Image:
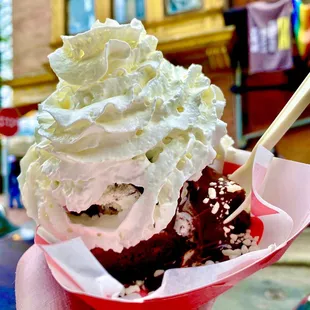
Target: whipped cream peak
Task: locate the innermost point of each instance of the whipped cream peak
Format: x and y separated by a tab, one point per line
88	57
122	116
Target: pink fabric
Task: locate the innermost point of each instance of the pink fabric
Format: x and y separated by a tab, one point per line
36	289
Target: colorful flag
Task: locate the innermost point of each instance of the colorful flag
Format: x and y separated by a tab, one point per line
301	25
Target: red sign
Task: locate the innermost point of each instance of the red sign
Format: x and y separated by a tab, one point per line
8	122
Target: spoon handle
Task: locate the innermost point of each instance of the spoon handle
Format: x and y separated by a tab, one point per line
286	118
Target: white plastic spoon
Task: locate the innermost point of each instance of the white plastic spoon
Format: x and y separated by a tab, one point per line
286	118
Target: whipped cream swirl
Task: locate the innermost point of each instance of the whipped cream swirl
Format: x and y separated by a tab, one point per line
121	114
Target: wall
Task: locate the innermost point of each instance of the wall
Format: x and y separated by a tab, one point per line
31	36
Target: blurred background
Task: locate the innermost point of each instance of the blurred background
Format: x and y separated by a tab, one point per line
258	56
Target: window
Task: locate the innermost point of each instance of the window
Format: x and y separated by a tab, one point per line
80	15
6	52
180	6
125	10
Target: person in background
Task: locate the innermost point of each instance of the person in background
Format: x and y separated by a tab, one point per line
14	193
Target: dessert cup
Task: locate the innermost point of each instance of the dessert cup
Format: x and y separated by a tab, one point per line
277	222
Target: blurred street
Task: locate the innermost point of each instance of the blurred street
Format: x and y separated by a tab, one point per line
279	287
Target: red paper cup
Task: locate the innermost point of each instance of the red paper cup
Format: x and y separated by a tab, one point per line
277	223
